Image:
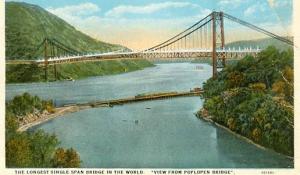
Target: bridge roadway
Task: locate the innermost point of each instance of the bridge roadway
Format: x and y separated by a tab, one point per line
139	98
150	55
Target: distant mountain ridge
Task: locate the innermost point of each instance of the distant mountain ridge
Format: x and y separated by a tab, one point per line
261	43
27	25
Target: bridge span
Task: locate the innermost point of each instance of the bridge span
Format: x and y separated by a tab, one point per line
204	39
150	55
231	53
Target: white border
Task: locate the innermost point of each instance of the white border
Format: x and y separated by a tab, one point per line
295	171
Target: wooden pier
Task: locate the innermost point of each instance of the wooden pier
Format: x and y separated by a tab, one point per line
140	98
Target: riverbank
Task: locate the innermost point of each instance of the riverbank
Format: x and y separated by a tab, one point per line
44	117
255	98
23	73
203	115
31	120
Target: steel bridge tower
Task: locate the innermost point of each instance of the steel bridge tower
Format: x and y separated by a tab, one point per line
46	58
218	42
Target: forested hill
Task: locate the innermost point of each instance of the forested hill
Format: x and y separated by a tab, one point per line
27	25
261	43
255	98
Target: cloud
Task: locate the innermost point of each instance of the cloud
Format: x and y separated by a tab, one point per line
147	9
140	32
75	10
231	3
136	33
279	3
253	9
271	3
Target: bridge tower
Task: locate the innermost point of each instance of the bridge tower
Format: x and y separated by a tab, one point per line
218	42
46	58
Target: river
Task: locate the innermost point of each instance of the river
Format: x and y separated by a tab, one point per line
166	135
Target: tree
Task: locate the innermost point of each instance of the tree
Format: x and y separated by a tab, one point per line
24	104
66	158
32	149
258	86
42	145
73	159
18	153
254	97
58	160
23	73
235	79
11	125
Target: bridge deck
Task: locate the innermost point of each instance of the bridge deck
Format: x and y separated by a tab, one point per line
194	53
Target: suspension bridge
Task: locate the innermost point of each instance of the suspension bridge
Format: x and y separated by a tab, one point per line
204	39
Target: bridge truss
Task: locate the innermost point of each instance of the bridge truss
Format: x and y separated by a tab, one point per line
206	38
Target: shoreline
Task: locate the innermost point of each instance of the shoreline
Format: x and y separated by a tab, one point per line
207	118
74	77
59	112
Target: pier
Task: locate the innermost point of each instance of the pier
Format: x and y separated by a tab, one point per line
140	98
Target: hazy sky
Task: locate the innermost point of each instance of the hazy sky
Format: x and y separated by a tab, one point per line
142	23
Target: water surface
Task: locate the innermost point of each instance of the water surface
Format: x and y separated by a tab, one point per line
152	134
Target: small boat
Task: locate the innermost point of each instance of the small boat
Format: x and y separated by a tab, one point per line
199	67
148	108
70	79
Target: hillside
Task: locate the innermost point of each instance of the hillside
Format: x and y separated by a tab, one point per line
255	98
27	25
33	73
261	43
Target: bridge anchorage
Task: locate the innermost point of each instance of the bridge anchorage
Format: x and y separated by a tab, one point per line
204	39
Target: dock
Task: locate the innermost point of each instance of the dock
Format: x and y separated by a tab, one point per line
140	98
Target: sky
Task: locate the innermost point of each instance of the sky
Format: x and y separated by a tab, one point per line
140	24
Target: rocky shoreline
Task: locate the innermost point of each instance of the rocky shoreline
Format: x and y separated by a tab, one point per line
204	115
29	118
37	118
